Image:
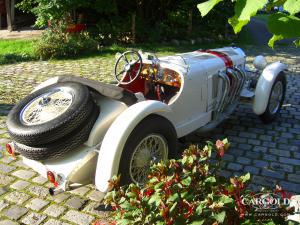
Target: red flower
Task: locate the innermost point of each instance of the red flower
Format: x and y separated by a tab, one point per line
148	192
220	148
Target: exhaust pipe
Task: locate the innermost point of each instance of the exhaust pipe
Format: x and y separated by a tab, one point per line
55	191
226	81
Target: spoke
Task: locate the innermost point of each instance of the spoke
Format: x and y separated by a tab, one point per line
125	59
134	62
121	72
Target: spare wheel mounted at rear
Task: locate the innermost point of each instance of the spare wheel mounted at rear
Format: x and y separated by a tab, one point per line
49	113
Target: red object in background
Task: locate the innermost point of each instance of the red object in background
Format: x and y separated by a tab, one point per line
2	7
76	28
226	59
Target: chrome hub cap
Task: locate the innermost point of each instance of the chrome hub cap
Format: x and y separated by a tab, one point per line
47	106
276	97
153	148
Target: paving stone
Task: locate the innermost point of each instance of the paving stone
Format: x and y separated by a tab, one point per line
6	168
289	161
15	212
279	152
37	204
78	217
253	155
228	157
245	146
17	197
265	137
3	190
272	173
254	142
7	159
20	163
55	222
5	180
234	166
75	202
281	167
97	209
39	180
270	157
20	184
8	222
80	191
260	149
55	210
289	186
3	204
24	174
260	163
34	219
251	169
264	181
60	197
295	178
38	191
243	160
96	195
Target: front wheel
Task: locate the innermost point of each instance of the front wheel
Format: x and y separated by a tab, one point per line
152	141
276	99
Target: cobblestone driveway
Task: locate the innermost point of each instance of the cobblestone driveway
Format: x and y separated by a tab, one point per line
271	153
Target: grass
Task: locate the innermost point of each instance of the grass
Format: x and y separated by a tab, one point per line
12	51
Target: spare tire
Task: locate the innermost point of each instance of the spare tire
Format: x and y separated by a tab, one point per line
64	145
49	114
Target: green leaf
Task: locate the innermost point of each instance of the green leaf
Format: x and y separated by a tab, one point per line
297	42
205	7
173	198
220	217
283	26
292	6
244	9
155	199
210	180
173	207
197	222
187	181
199	209
246	177
226	199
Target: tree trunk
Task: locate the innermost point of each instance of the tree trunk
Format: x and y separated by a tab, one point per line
190	27
133	16
10	12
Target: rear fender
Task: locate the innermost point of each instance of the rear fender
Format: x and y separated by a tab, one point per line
264	86
117	135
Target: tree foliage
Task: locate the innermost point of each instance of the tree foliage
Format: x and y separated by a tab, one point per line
156	20
281	25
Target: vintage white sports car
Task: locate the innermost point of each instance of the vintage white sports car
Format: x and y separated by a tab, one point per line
74	130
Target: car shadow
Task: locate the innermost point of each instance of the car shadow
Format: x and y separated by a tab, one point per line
5	108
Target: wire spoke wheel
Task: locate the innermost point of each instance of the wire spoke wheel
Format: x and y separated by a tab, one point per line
276	97
152	149
47	107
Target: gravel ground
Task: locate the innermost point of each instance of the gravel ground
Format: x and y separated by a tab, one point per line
271	153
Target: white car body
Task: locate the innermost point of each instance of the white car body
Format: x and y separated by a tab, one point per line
193	107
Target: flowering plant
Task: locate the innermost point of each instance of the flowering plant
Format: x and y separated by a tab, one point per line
184	191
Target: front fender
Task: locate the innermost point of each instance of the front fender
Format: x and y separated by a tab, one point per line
264	86
117	135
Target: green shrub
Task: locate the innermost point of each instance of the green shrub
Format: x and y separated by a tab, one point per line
55	43
185	191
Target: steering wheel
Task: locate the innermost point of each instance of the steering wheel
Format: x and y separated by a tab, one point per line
126	64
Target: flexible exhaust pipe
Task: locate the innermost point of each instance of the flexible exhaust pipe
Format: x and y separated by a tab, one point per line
235	84
55	191
244	77
226	80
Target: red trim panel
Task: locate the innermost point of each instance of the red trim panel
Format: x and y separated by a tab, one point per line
226	59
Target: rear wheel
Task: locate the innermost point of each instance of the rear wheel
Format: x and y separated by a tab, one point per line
276	99
152	141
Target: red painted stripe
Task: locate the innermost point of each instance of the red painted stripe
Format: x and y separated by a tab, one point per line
226	59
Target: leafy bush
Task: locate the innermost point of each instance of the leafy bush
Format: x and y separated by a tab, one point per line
185	191
55	42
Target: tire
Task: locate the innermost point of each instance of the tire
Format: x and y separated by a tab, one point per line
34	134
152	126
62	146
270	113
